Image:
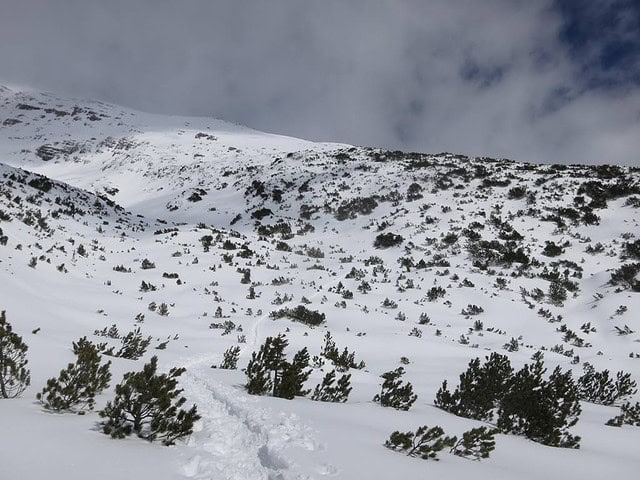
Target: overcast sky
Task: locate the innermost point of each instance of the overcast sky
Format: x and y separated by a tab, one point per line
537	80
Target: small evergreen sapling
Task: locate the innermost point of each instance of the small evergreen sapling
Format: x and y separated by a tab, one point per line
268	371
525	403
258	376
163	310
275	359
15	377
342	361
541	410
599	387
149	405
77	385
394	393
134	345
83	343
294	375
629	415
475	444
424	443
328	392
480	389
230	359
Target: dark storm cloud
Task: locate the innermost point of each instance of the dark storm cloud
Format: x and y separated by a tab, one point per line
498	77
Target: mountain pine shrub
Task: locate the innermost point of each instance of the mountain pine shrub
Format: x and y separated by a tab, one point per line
134	345
424	443
552	250
269	372
147	264
435	293
328	392
632	249
557	293
230	358
387	240
523	402
394	393
626	275
475	444
541	410
599	387
342	361
75	388
149	405
265	367
15	377
300	314
258	375
629	415
294	375
480	389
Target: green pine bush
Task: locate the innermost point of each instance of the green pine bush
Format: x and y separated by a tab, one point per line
599	387
394	393
75	388
269	372
149	405
424	443
294	375
328	392
476	444
342	361
480	388
230	358
524	402
541	410
15	377
629	415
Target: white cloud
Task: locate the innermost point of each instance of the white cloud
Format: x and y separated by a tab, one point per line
472	77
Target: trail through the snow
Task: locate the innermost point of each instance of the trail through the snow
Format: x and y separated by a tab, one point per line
237	439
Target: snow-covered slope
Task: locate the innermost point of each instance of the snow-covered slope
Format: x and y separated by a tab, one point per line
119	187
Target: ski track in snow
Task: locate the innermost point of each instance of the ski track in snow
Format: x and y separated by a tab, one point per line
238	439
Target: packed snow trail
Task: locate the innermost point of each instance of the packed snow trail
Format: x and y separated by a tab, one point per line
236	438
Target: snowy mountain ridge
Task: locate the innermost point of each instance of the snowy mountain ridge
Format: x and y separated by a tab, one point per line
415	260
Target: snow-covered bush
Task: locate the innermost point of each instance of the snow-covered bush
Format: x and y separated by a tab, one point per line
342	361
480	389
387	240
230	358
15	377
523	402
476	444
134	345
629	415
268	371
599	387
300	314
424	443
541	410
76	386
328	392
626	275
149	405
394	393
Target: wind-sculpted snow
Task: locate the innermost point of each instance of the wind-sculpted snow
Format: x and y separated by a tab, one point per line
206	235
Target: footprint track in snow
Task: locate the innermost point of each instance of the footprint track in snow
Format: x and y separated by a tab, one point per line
237	439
